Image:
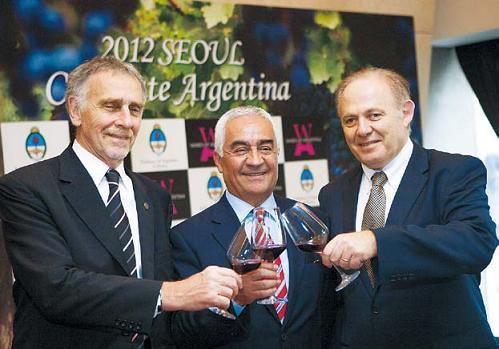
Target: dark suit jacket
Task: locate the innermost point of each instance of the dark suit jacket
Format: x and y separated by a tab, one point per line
202	241
437	239
72	289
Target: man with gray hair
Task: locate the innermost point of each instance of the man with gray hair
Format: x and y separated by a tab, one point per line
246	153
88	239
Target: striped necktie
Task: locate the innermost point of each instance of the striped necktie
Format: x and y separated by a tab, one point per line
282	290
120	220
374	214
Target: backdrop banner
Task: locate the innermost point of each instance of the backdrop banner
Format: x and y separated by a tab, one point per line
199	60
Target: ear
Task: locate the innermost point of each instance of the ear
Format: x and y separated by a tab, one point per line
74	111
218	162
408	112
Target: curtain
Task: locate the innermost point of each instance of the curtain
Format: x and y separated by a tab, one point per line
480	63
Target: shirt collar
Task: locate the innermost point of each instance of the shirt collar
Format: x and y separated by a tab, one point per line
242	208
96	168
395	169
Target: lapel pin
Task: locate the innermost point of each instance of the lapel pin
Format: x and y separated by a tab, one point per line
146	205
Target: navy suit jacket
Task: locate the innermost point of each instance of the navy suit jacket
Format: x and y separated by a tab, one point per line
437	239
72	289
203	240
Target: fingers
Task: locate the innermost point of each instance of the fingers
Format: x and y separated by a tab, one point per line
350	250
223	277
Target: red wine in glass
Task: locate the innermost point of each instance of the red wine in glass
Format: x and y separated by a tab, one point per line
245	266
311	246
270	252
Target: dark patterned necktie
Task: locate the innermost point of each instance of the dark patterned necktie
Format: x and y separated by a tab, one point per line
282	290
120	220
374	214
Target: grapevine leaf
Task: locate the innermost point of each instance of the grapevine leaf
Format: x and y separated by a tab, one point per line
327	19
217	13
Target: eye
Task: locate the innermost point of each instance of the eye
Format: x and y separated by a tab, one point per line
349	121
266	149
375	116
240	151
111	106
135	109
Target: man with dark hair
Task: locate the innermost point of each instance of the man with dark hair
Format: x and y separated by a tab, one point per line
88	239
415	221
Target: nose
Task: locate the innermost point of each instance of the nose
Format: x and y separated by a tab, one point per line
254	157
363	127
125	118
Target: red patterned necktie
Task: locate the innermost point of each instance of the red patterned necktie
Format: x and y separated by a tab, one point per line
282	290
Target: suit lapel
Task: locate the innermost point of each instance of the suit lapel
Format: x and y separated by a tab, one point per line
412	184
225	223
146	226
88	203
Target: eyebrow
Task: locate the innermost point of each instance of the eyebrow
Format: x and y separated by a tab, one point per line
120	101
260	142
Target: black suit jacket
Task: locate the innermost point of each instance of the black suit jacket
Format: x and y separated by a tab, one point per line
202	241
437	239
72	289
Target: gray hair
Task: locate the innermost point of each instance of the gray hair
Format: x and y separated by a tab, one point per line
234	114
77	79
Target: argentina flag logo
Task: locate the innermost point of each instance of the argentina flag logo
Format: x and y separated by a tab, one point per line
35	144
215	187
157	140
307	179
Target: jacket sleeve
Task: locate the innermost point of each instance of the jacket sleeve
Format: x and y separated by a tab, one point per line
458	239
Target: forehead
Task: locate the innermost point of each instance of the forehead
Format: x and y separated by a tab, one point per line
114	85
250	128
370	91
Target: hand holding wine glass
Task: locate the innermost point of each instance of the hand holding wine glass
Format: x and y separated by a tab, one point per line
310	234
241	256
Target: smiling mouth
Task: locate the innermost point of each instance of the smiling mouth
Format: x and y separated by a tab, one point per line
255	174
367	144
120	137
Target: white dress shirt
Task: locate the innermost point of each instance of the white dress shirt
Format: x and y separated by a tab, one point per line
394	171
97	170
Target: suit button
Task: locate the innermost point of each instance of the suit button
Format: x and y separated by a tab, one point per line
284	336
375	310
123	324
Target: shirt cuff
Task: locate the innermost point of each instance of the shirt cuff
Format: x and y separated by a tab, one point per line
158	310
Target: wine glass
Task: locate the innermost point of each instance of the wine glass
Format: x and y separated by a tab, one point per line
242	257
241	254
268	240
310	234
